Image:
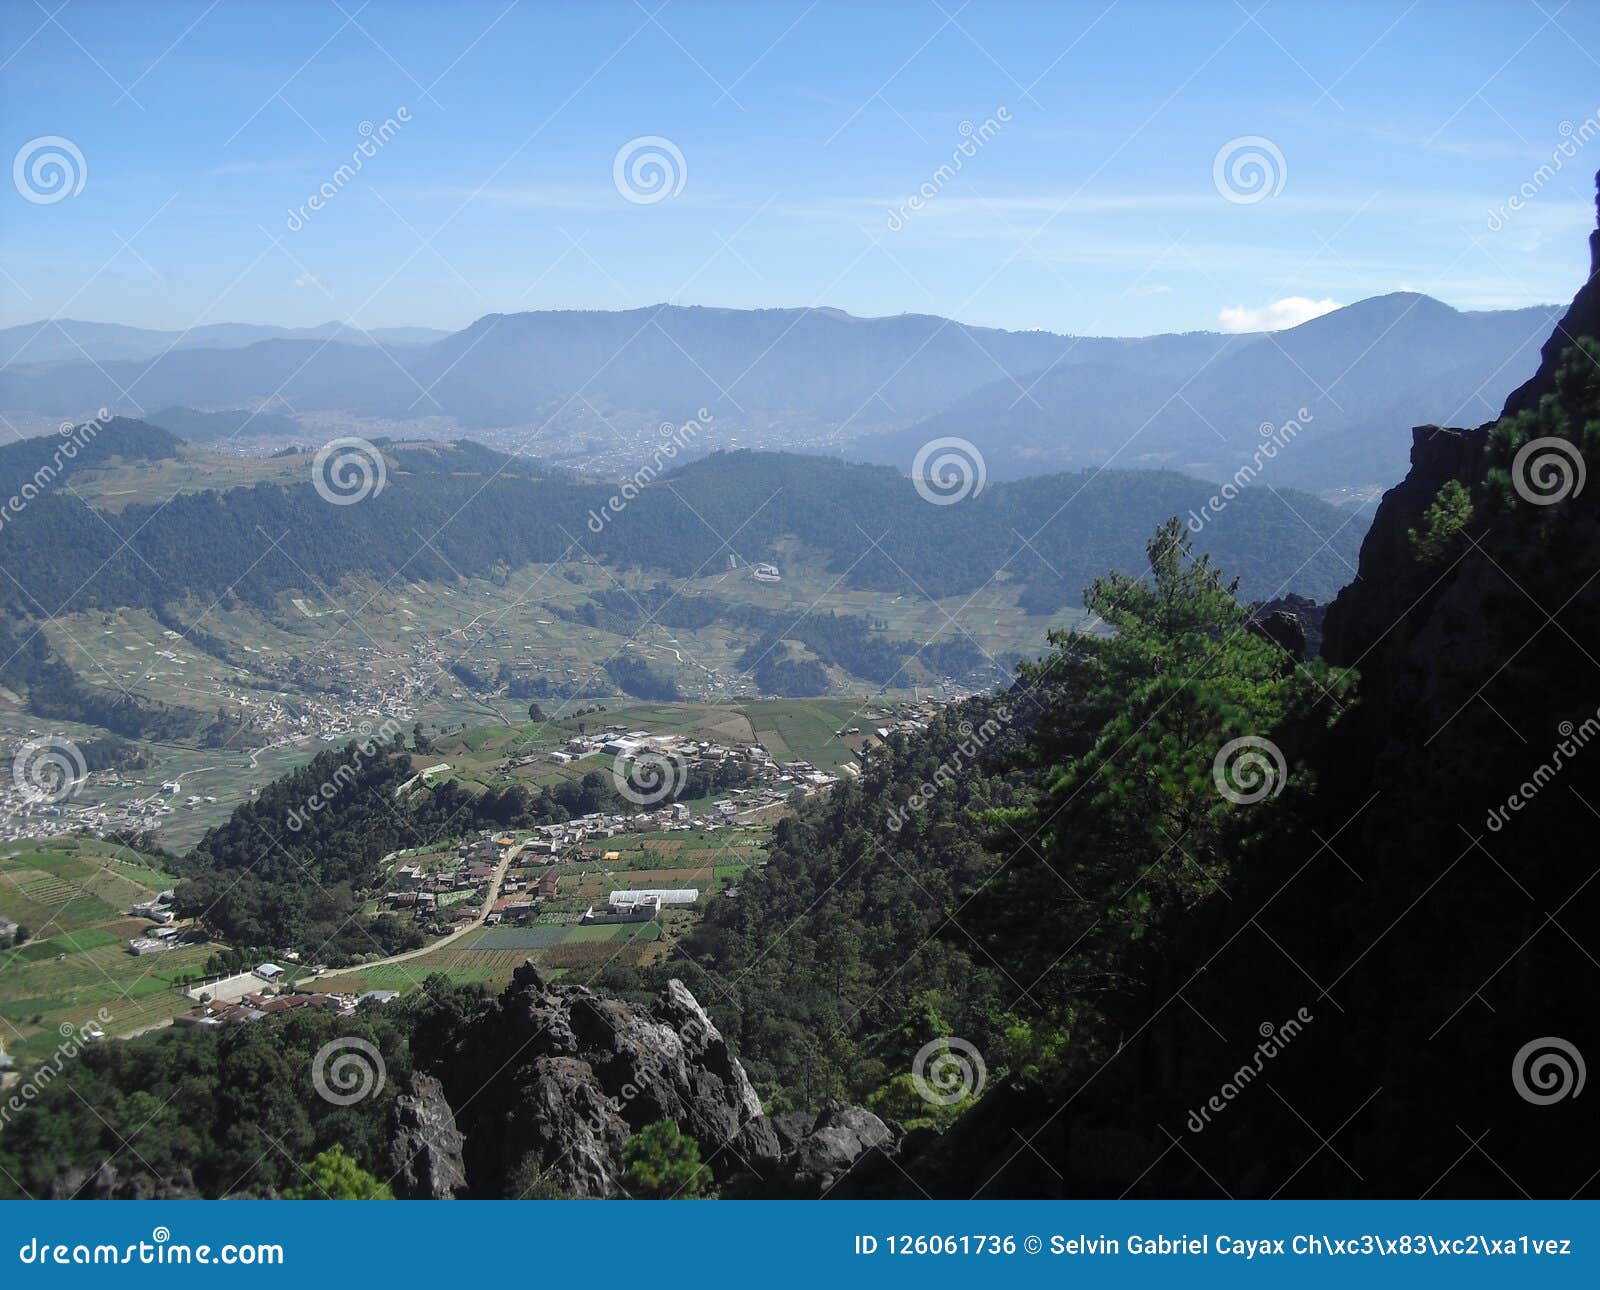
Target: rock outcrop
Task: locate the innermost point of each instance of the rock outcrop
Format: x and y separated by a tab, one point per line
425	1146
818	1151
1292	622
107	1182
553	1081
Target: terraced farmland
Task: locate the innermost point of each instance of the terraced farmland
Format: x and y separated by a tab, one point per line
72	897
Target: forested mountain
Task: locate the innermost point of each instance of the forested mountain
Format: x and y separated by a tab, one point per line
1356	378
480	510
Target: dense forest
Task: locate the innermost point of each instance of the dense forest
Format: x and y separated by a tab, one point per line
220	1114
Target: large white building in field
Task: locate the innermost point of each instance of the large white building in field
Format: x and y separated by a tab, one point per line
665	895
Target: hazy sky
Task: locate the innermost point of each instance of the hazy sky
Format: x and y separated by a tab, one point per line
1090	197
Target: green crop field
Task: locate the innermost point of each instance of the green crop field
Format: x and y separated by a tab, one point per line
512	938
72	894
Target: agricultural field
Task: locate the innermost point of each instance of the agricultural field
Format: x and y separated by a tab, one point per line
72	895
323	661
126	483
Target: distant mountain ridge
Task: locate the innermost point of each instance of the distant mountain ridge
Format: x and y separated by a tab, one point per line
1396	360
70	340
869	388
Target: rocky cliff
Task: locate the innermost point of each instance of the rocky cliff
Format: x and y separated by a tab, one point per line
548	1086
1425	891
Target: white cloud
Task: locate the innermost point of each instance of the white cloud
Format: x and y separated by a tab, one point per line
1291	311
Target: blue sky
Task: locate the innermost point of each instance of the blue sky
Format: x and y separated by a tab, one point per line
1090	203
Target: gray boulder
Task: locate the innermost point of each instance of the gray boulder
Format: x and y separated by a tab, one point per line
425	1146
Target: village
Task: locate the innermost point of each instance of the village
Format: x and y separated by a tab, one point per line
428	888
515	890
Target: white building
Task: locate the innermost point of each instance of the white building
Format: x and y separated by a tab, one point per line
665	895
